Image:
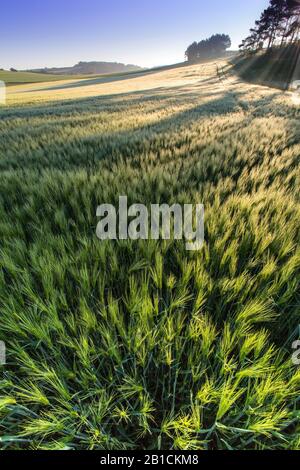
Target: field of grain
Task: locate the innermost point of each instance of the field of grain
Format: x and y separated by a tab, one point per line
142	344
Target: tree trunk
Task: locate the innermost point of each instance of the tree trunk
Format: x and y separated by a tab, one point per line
284	33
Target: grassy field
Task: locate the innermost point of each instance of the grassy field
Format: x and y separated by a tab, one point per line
141	344
17	78
13	78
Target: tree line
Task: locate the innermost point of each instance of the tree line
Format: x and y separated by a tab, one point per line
215	46
279	25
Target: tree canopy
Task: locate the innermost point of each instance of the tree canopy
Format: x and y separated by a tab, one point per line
278	25
215	46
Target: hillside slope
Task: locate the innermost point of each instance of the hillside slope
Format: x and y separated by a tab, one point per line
278	67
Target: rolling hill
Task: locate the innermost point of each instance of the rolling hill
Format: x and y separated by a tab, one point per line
90	68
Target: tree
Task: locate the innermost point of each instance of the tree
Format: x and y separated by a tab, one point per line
192	52
293	12
218	43
278	24
215	46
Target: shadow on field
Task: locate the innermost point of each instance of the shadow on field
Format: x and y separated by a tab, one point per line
107	79
114	103
56	145
275	68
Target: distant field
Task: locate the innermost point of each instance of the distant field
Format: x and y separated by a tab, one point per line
12	78
141	344
15	78
129	82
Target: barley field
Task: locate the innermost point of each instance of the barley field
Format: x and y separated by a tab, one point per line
142	344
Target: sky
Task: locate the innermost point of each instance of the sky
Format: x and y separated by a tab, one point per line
40	33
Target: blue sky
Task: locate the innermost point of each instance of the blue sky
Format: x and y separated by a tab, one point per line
38	33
